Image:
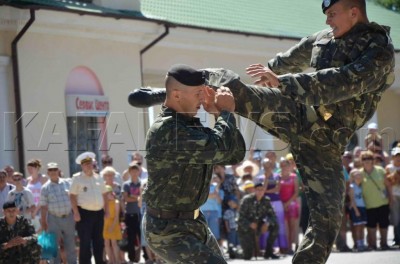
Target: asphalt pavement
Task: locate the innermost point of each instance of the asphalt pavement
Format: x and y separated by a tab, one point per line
371	257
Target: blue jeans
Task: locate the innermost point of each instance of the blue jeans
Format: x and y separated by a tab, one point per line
213	222
64	228
232	237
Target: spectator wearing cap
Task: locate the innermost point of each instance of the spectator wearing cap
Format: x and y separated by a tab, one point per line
181	153
18	241
373	136
22	197
247	186
256	216
377	194
131	194
255	155
89	206
56	212
228	184
5	188
230	221
393	172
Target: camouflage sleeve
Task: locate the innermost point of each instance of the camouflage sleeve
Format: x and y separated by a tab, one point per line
372	70
179	142
27	231
245	212
296	59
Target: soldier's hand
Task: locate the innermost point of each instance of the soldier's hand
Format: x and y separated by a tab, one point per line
209	101
224	99
265	76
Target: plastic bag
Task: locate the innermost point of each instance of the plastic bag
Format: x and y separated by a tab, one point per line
49	245
123	243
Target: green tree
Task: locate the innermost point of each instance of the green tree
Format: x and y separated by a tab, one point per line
390	4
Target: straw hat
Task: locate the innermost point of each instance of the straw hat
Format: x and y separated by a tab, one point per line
247	163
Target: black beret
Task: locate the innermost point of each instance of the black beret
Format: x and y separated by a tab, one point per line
258	184
328	3
9	204
186	75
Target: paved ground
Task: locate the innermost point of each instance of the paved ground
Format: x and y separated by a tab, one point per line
372	257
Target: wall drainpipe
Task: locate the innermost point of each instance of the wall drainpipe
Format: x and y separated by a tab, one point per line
146	122
17	91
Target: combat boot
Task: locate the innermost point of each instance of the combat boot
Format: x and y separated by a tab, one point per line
146	97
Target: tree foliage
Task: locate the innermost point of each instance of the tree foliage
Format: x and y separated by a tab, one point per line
390	4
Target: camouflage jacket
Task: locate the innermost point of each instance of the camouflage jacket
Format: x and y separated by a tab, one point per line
351	73
180	156
253	211
30	253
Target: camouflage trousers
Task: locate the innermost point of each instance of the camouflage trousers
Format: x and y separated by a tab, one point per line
316	145
28	254
182	241
249	240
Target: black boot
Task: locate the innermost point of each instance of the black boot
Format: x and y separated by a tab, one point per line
271	256
146	97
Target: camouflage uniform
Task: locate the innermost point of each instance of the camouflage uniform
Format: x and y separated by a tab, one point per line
317	113
28	254
180	156
260	212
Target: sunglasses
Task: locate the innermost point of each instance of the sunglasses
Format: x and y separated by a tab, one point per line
365	159
17	179
52	169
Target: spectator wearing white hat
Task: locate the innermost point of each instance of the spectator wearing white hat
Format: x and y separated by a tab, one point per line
88	200
246	171
56	214
373	136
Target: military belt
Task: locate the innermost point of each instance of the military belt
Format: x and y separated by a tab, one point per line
163	214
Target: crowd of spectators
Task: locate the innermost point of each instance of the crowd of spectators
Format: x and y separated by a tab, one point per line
43	199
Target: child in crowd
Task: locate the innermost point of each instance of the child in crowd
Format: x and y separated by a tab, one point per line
288	193
112	230
230	219
358	213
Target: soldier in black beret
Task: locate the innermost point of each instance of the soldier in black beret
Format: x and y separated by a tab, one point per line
186	75
18	240
180	157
